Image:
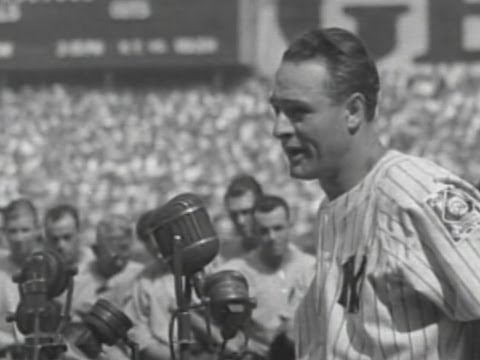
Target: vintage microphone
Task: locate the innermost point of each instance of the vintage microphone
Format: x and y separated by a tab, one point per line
104	324
229	303
183	234
183	221
181	231
38	316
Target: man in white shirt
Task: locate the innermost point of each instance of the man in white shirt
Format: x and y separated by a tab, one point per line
278	273
63	234
111	274
22	232
239	199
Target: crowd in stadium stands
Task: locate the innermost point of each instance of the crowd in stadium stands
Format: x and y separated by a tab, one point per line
124	150
114	152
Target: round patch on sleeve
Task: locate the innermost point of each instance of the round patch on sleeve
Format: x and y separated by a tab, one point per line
458	211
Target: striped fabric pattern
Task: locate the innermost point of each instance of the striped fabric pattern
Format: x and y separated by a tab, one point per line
392	280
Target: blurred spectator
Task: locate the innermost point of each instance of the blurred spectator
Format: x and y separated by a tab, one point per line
22	232
239	200
111	274
23	238
278	273
62	234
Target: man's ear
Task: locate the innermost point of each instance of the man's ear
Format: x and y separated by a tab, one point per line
355	110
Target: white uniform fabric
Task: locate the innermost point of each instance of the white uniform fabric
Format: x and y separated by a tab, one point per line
398	270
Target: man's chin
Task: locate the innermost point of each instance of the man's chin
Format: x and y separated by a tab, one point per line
298	172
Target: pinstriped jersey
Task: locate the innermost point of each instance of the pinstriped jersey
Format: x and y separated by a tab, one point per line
398	269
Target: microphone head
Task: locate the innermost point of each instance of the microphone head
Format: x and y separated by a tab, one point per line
230	304
105	324
43	277
185	218
31	308
43	272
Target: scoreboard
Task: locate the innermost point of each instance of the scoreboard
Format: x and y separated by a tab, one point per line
61	34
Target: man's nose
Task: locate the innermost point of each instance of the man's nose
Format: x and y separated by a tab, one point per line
62	244
282	126
270	237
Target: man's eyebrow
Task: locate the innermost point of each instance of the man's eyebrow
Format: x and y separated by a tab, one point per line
283	102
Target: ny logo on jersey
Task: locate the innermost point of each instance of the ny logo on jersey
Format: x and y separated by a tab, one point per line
352	283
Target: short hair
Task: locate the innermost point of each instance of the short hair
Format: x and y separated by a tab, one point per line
242	184
350	67
59	211
19	207
268	203
114	224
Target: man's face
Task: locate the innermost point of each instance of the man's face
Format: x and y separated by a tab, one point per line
113	251
273	229
63	236
240	210
22	235
311	128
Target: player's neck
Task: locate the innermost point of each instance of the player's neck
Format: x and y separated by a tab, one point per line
353	169
274	263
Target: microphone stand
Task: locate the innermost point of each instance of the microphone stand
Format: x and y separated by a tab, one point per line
183	293
68	304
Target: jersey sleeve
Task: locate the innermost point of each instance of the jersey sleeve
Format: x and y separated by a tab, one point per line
444	261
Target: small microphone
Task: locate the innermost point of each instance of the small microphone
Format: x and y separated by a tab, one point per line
103	324
229	301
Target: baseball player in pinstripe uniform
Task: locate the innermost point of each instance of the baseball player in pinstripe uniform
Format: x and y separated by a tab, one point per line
398	252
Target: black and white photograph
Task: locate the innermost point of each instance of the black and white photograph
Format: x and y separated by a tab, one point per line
239	179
